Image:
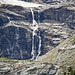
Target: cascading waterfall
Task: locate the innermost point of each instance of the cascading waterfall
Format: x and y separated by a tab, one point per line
34	27
34	33
39	49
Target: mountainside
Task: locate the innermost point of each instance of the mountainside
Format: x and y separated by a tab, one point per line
37	37
56	23
62	54
55	62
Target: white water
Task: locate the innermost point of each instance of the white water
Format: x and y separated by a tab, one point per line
35	28
39	49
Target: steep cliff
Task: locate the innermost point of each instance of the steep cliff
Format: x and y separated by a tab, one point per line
56	23
55	62
62	56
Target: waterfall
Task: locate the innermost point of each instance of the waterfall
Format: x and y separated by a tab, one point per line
39	49
36	50
34	33
34	27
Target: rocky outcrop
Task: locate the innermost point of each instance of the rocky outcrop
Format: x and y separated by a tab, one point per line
49	1
63	55
27	68
54	62
56	24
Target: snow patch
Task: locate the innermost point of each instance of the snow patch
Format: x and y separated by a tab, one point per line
20	3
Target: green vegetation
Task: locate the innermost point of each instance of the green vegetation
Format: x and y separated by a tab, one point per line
73	43
7	60
29	60
70	71
64	73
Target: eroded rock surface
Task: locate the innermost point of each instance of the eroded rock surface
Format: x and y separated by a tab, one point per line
56	24
54	62
28	68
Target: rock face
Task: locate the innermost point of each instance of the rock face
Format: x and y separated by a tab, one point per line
49	1
56	21
54	62
28	69
56	24
63	55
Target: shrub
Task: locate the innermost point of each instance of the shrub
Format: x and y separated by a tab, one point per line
70	72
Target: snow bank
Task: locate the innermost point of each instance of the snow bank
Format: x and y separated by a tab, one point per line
20	3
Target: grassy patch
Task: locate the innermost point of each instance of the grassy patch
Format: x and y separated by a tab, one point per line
29	60
7	60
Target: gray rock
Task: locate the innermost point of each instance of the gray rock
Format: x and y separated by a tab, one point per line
54	28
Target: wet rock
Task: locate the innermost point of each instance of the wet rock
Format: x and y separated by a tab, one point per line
3	20
56	23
